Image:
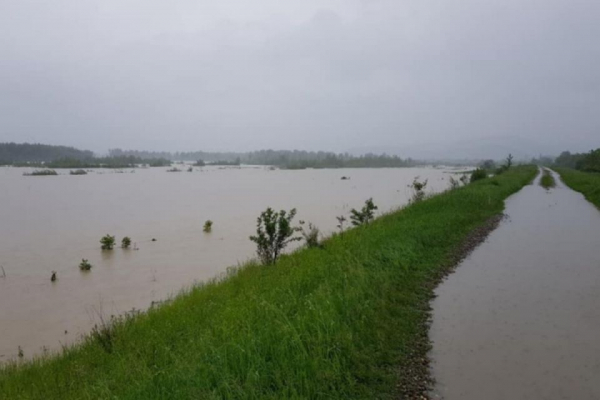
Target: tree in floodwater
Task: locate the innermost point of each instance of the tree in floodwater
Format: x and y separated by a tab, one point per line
107	242
85	265
126	242
274	231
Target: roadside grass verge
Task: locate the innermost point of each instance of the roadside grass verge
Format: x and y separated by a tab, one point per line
348	320
547	180
587	183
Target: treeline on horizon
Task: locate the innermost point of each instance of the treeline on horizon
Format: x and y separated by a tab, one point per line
288	159
50	156
588	162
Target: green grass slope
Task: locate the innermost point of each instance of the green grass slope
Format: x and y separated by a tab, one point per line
587	183
345	321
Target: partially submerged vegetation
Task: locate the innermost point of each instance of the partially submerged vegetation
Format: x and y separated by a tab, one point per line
347	320
107	242
587	183
85	265
126	242
547	181
42	172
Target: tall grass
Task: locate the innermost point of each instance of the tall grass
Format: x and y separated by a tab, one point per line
587	183
339	321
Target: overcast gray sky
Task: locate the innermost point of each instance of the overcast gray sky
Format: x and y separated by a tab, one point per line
307	74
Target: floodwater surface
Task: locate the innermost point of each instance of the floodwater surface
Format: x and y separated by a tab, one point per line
520	317
50	223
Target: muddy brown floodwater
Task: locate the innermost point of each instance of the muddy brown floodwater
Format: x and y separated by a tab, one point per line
50	223
520	317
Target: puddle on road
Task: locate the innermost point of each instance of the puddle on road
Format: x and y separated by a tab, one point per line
520	317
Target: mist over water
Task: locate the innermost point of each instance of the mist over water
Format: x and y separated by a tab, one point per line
51	223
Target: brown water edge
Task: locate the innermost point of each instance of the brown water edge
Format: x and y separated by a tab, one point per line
520	317
51	223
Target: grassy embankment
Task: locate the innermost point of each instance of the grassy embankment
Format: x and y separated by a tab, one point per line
547	180
345	321
587	183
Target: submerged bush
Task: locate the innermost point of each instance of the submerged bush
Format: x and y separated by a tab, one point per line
84	265
365	215
126	242
108	242
478	174
78	172
207	226
274	231
42	172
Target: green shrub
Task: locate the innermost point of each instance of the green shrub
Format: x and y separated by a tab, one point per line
478	174
365	215
274	231
419	190
108	242
84	265
126	242
310	235
207	226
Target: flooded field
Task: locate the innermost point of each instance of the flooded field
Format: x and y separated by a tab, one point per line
51	223
520	317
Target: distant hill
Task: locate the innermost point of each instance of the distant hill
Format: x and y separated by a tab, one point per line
11	153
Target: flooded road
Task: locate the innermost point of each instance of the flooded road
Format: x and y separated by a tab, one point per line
520	317
50	223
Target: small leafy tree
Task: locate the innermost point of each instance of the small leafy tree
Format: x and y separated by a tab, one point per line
126	242
84	265
419	190
107	242
506	166
365	215
274	231
310	235
464	179
207	226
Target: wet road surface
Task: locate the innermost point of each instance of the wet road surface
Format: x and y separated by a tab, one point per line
520	317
